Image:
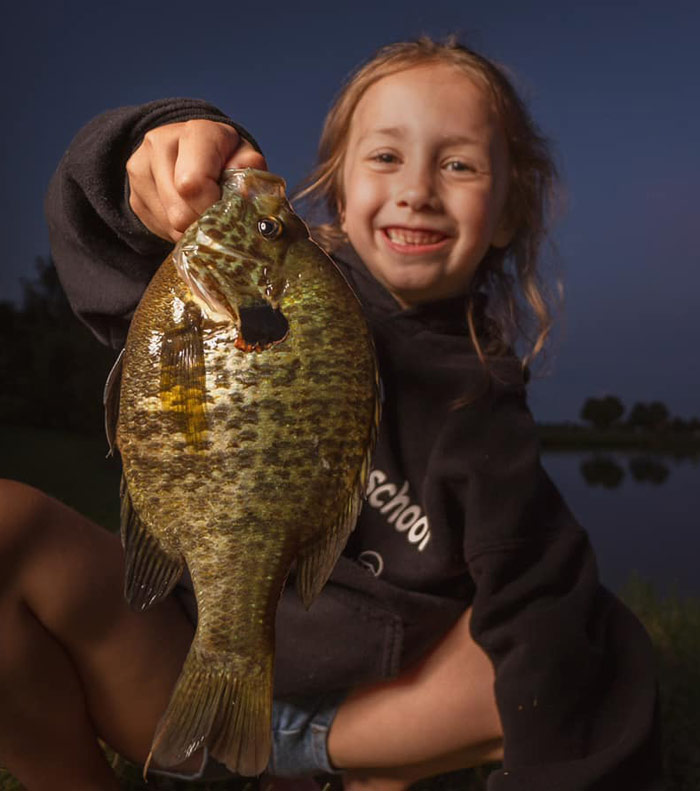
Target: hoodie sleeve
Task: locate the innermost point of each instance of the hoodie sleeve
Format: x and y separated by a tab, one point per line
575	678
104	255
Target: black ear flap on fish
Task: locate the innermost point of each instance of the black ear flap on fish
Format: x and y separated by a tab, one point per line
151	573
261	326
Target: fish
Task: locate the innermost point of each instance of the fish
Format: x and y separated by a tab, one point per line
245	409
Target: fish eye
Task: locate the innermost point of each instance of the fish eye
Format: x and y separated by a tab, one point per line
270	227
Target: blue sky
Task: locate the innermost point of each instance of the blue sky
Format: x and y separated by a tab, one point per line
613	85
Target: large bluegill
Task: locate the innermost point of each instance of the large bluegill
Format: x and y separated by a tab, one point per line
246	418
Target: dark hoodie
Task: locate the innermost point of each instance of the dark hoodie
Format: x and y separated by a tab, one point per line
459	513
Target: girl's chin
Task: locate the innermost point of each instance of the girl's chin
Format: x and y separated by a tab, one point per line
409	292
412	293
416	282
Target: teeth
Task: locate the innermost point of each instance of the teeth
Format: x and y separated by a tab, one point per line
406	236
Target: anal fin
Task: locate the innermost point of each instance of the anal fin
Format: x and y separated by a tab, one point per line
151	573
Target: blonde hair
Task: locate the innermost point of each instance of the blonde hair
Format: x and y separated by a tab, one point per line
508	276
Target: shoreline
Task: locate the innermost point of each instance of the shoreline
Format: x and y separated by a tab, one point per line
571	436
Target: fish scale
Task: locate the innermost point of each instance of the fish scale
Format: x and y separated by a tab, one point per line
241	455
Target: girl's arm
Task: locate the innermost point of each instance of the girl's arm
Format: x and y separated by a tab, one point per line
574	670
105	255
436	717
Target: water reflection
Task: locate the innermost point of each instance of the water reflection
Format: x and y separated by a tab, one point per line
647	469
603	470
641	511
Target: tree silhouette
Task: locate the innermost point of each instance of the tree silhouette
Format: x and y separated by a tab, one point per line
602	412
52	369
652	416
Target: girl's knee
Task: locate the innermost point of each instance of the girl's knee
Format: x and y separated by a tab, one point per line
23	511
31	524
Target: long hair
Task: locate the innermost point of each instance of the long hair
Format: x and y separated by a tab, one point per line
519	304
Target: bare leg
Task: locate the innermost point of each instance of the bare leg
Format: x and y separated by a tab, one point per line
438	717
76	662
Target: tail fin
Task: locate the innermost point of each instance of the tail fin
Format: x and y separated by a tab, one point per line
213	705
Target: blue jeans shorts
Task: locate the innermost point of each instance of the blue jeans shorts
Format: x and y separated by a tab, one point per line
300	735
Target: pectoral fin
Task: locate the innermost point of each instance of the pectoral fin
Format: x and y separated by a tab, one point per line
151	573
110	399
182	377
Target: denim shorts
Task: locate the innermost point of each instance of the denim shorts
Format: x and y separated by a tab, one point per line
299	741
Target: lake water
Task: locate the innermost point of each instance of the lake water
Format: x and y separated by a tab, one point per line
649	522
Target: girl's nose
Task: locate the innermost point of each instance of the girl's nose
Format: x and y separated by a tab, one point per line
417	193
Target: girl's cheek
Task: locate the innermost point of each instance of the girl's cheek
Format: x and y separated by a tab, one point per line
361	196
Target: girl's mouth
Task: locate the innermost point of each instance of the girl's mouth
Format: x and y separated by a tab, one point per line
412	240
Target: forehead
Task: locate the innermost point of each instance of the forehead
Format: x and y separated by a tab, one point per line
434	97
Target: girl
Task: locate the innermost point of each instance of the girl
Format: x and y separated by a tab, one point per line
465	621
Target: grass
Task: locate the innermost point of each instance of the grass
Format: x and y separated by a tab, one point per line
74	470
674	626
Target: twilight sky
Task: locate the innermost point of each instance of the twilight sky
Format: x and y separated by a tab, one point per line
614	85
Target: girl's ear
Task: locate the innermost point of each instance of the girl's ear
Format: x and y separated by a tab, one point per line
505	230
503	236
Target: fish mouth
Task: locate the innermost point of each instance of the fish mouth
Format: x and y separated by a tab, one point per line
202	239
207	297
205	289
259	321
252	183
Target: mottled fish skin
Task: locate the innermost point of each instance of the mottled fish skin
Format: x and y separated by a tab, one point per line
241	461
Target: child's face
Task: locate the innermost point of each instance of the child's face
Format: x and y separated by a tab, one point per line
425	179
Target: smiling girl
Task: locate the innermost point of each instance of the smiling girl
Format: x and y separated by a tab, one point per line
465	621
425	179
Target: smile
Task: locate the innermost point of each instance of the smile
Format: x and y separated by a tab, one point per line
413	240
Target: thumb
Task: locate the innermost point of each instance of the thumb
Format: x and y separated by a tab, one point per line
245	156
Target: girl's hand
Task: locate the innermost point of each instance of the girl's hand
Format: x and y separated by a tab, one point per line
174	173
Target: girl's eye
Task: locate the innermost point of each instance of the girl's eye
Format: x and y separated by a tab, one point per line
384	158
458	166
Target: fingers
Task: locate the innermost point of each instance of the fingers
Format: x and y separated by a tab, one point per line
174	174
147	170
246	156
202	152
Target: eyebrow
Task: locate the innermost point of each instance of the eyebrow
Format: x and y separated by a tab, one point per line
452	140
400	131
389	131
